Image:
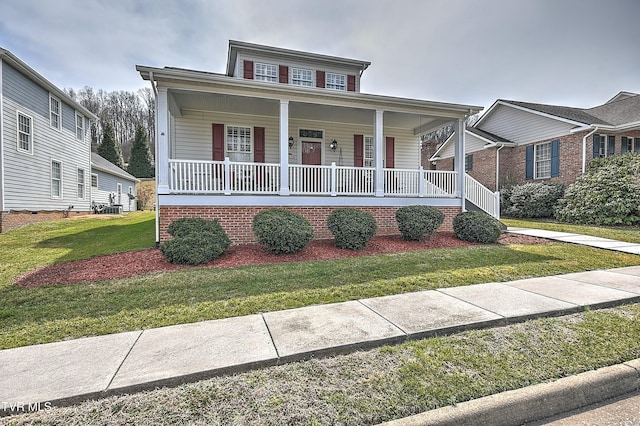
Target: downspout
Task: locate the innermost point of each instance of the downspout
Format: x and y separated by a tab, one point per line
157	212
2	144
584	149
498	167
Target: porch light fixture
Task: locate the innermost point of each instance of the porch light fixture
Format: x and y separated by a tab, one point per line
290	142
333	145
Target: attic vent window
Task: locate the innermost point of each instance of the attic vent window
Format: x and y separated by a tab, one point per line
266	72
313	134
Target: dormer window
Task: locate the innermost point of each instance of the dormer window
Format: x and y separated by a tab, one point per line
266	72
336	81
301	77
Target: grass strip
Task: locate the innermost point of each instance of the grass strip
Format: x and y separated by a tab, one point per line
373	386
52	313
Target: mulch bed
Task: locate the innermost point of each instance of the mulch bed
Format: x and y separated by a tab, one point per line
130	264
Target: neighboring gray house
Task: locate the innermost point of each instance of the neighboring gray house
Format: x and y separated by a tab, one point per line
111	186
45	147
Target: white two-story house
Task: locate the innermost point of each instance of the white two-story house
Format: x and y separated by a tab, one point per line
290	129
45	148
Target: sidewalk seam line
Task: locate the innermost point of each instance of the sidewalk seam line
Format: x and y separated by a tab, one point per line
123	360
469	303
406	333
264	320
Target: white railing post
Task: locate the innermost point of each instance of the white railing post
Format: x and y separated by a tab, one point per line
421	185
497	205
227	176
334	180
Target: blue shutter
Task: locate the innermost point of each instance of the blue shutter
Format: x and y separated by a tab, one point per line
611	149
625	145
529	163
555	158
469	162
596	146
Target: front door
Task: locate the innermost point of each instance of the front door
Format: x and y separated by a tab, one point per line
311	156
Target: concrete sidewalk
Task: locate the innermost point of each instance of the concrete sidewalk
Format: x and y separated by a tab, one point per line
584	240
70	371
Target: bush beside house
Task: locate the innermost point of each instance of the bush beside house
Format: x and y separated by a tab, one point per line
351	228
418	222
530	200
476	227
196	241
282	231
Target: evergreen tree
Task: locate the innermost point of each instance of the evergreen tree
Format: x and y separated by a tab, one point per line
109	149
140	162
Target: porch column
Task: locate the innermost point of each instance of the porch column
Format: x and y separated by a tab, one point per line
378	138
459	161
284	147
162	141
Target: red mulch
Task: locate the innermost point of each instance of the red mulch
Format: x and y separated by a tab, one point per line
129	264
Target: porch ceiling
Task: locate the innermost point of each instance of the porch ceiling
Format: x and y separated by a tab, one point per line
203	101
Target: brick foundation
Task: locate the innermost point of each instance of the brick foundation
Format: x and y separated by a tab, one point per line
14	219
237	221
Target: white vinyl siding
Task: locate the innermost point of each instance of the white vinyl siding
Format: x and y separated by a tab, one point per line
336	81
542	162
79	126
472	143
106	185
55	112
56	179
523	127
25	133
301	77
81	184
266	72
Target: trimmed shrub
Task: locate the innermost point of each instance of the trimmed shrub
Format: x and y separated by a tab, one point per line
608	194
531	200
476	227
418	222
351	228
282	231
195	241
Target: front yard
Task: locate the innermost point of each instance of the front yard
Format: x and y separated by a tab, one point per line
360	388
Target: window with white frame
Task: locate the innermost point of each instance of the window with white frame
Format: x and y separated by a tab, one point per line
336	81
301	77
266	72
81	184
94	181
25	133
239	147
630	144
55	118
367	160
56	179
119	193
542	164
79	126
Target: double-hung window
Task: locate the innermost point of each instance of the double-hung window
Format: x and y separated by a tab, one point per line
336	81
367	160
25	133
55	112
239	143
94	180
56	179
81	184
630	144
79	126
266	72
542	165
603	146
301	77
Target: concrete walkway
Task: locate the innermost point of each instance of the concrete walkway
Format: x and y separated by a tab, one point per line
66	372
585	240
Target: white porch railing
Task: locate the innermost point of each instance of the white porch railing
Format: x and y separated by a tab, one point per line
482	197
226	177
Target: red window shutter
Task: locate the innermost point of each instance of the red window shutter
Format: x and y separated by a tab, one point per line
217	142
320	77
284	74
258	144
248	70
390	162
351	83
358	150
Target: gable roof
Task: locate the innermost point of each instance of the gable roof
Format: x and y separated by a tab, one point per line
490	140
102	164
18	64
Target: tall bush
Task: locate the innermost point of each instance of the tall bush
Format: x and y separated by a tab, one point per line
351	228
608	194
531	200
418	222
195	241
476	227
282	231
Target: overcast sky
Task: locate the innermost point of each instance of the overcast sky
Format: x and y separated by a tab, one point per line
567	52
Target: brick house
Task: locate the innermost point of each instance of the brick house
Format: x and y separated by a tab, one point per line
515	142
291	129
